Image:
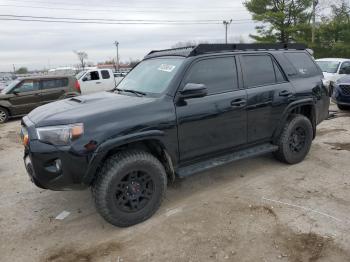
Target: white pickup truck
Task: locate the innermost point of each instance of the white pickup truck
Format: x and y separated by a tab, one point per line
97	80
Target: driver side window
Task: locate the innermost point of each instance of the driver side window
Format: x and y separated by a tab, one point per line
94	75
27	86
345	68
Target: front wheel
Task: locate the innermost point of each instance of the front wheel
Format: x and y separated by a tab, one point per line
295	141
129	188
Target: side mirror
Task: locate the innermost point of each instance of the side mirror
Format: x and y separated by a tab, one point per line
85	79
15	92
192	90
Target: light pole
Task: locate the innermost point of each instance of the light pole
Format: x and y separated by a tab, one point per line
117	45
226	24
314	4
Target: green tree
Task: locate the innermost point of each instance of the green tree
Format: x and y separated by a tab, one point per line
282	20
333	33
22	70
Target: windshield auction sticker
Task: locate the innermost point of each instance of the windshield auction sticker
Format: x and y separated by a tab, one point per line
166	68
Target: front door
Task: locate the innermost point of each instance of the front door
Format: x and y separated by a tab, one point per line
216	122
25	97
91	83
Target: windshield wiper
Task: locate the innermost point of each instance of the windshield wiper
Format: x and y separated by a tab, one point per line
138	93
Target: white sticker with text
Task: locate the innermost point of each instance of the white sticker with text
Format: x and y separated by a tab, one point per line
166	68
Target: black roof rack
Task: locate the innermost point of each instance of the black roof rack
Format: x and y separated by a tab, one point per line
214	48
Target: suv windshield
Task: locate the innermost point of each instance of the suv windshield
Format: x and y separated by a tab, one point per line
151	76
328	66
9	87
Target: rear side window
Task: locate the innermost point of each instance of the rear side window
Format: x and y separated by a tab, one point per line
219	75
105	74
54	83
302	63
279	76
258	70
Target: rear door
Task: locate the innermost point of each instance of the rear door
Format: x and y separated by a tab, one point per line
107	80
53	89
25	97
216	122
269	93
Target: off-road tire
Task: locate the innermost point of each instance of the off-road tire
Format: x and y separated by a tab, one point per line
285	151
4	115
342	107
110	177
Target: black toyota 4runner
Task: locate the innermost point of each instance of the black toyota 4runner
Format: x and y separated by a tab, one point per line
178	112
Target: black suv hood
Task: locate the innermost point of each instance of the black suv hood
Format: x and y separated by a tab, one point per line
85	108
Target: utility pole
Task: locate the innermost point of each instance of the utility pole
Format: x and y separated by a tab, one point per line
14	68
226	24
117	46
314	4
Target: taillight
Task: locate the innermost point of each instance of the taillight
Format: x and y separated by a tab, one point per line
77	86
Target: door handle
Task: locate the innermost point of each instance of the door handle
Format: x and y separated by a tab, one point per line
285	93
38	94
98	83
238	103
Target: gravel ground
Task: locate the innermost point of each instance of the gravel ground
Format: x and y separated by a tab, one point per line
253	210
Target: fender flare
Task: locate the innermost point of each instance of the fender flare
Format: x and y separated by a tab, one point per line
5	104
289	109
104	148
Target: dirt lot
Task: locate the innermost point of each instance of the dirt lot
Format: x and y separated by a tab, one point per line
253	210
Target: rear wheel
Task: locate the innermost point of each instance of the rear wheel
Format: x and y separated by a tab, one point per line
342	107
295	140
4	115
129	188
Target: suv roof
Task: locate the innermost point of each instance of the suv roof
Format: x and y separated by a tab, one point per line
43	77
215	48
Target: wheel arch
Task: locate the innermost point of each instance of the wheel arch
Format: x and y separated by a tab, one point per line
6	106
151	144
305	107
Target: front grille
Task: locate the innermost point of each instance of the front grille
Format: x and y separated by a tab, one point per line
345	89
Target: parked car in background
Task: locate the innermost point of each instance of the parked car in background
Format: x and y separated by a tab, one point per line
119	76
5	80
341	93
23	95
333	69
178	112
96	80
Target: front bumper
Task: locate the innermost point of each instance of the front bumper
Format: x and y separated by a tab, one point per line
52	167
41	165
341	94
341	99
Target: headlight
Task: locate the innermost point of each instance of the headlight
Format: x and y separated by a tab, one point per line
60	135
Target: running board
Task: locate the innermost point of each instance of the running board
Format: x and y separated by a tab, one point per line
225	159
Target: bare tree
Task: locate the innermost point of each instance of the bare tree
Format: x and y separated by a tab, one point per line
82	56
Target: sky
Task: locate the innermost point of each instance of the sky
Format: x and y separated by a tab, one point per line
38	45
